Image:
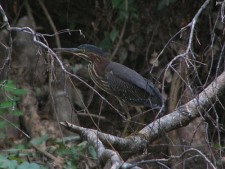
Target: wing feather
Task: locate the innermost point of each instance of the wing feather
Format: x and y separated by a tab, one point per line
128	84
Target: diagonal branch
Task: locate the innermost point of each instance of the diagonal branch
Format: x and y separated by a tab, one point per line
177	119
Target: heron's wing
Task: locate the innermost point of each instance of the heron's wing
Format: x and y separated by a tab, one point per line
118	75
125	91
125	74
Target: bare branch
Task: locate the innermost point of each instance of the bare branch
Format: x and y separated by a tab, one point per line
179	118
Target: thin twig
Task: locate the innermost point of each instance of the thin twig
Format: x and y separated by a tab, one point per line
58	44
25	134
121	34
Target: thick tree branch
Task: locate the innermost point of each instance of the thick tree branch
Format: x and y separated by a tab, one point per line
179	118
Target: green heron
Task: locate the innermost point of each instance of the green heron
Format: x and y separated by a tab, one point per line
116	79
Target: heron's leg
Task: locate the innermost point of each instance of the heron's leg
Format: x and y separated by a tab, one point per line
127	122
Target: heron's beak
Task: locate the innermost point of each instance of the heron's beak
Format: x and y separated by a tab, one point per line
74	51
67	50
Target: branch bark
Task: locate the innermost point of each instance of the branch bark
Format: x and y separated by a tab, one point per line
182	116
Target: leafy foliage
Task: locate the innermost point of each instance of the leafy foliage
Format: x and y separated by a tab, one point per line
149	25
8	104
15	158
75	153
123	13
6	163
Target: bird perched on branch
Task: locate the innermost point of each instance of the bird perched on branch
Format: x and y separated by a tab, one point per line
116	79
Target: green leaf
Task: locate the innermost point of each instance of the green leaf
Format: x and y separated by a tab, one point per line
16	113
7	164
82	145
106	43
75	152
19	92
39	140
92	152
9	86
26	165
3	124
7	104
116	3
15	158
113	35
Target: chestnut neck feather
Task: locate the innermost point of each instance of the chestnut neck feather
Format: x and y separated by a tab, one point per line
100	63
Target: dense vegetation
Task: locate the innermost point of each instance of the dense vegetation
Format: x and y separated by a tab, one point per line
178	45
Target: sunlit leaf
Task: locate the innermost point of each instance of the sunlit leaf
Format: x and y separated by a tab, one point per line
7	104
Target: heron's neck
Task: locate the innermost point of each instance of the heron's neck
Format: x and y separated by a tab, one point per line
100	65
